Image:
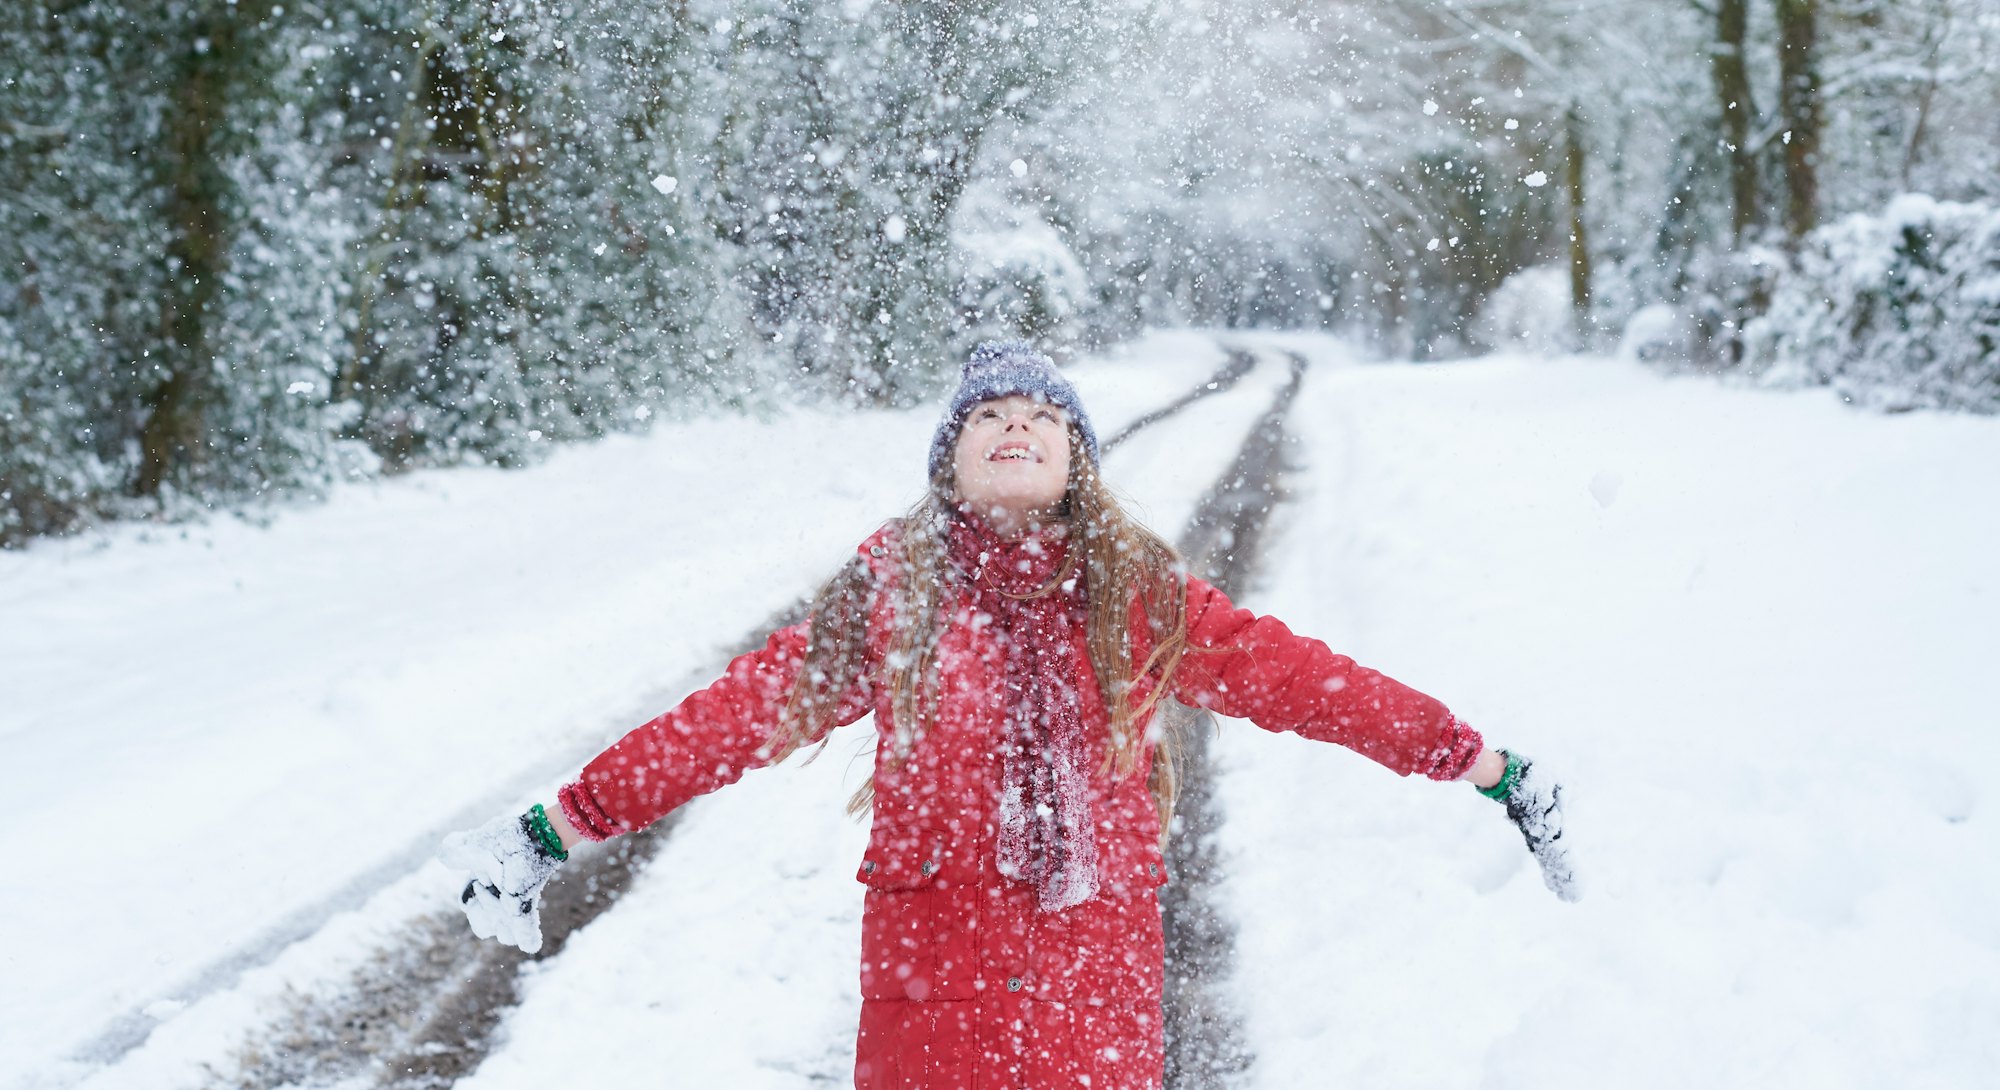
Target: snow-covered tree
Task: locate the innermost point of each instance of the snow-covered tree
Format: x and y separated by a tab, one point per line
162	260
848	137
250	246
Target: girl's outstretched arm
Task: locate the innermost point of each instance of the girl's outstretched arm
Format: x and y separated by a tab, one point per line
707	741
723	731
1255	668
1240	664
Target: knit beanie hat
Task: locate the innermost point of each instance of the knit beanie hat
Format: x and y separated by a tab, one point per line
1003	369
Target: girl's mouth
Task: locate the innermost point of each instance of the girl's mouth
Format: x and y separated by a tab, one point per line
1013	452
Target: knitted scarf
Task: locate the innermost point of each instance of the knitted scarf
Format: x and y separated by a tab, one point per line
1036	600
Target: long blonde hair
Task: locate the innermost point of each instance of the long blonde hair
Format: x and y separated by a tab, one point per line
1124	563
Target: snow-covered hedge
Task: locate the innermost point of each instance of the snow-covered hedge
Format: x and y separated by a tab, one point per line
1899	310
1017	277
1530	311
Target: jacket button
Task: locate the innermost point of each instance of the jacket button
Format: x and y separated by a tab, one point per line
929	868
877	551
1152	870
868	866
1013	983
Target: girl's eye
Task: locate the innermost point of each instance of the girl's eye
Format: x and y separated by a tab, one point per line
1045	414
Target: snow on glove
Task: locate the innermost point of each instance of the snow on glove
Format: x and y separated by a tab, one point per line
509	866
1534	805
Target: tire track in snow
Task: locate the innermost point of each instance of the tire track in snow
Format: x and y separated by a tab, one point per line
1204	1037
1237	364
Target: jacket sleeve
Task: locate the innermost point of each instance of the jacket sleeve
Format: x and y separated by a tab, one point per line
1251	667
707	741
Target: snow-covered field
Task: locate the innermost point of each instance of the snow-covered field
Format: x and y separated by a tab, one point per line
216	733
1745	625
1754	629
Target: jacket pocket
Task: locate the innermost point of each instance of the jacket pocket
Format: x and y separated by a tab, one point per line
1107	951
920	919
921	944
898	944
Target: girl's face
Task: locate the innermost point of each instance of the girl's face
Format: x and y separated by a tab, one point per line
1012	459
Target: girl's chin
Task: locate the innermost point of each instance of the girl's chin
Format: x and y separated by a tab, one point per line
1020	501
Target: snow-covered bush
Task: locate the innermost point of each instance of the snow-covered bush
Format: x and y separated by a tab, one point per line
1658	333
1725	290
1530	312
1898	310
1017	277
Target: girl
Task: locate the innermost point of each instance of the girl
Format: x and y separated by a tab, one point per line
1013	635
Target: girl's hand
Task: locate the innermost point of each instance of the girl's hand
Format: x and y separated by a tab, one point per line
1534	805
510	860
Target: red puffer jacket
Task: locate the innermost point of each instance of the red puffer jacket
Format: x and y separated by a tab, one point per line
966	984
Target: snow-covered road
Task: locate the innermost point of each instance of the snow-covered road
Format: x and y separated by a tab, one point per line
236	732
1750	626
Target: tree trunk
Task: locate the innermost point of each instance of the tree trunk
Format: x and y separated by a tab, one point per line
1799	106
210	65
1579	248
196	187
1732	93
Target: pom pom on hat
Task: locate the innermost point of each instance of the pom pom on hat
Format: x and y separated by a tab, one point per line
1004	369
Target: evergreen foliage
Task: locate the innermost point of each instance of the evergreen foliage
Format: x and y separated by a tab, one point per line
1899	310
250	246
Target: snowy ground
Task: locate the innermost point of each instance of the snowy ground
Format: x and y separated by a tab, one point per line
230	734
1744	624
1753	628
